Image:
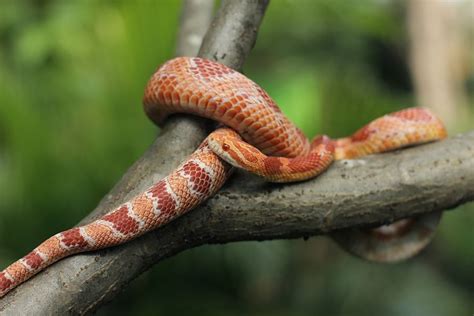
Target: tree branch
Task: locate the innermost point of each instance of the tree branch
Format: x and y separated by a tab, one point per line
80	284
196	16
369	191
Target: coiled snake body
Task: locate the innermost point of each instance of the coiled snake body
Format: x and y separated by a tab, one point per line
256	137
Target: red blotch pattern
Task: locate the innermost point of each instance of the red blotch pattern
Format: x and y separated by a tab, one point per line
5	283
33	260
72	238
272	164
166	203
198	176
122	221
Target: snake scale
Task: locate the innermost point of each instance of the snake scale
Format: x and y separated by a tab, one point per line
255	136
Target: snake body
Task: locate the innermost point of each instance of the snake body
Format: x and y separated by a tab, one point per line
256	137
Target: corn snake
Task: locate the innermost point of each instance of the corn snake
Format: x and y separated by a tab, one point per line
257	137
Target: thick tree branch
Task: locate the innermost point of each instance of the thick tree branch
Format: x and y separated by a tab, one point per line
80	284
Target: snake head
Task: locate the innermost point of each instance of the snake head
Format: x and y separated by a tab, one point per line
222	141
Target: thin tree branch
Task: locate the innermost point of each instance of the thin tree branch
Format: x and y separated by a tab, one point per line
196	16
234	31
80	284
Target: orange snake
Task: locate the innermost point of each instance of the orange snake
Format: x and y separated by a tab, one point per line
256	137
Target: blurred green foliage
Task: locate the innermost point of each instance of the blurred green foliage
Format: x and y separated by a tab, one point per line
72	76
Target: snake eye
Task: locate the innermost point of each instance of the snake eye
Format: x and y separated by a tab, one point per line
225	147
